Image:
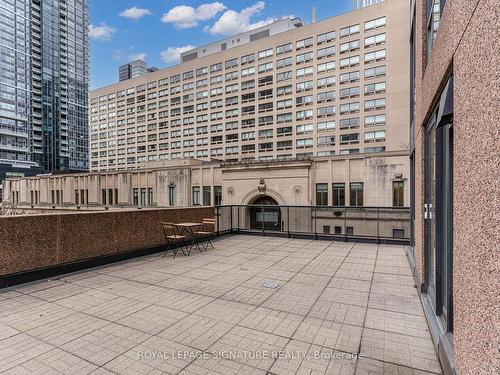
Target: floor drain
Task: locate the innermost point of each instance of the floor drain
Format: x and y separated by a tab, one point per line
271	284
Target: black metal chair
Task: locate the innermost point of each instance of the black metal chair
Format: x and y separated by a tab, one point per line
175	241
206	233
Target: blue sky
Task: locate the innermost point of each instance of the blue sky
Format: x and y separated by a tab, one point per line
157	30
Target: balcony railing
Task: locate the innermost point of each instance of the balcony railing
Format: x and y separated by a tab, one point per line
346	223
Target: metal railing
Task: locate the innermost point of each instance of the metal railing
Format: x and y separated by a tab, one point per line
346	223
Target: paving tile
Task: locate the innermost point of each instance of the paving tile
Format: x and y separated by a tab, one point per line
66	329
183	301
272	321
330	334
152	319
215	365
303	358
368	366
206	287
105	344
325	308
227	311
253	348
350	284
249	296
405	305
404	324
153	356
55	361
197	331
20	348
59	292
36	316
350	297
6	331
403	350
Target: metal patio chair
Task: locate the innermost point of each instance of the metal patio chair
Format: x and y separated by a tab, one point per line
206	233
175	241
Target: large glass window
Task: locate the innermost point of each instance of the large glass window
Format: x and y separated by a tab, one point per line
398	193
196	195
217	195
322	194
339	194
207	195
356	194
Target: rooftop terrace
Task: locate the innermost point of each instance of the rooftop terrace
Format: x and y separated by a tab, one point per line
251	305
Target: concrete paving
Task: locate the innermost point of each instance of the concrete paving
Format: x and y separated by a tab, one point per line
252	305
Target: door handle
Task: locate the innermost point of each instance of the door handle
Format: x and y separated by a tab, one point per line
430	211
426	211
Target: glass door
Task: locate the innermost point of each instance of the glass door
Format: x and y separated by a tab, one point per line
429	206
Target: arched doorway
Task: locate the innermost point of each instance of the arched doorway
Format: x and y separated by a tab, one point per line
265	213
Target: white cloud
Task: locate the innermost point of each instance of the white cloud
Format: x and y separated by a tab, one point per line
138	56
173	54
135	13
102	32
232	22
184	16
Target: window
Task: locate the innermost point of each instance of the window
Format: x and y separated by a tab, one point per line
284	48
281	63
350	230
349	77
375	56
325	52
378	120
338	230
326	37
207	195
356	196
398	193
321	194
326	126
171	195
349	46
376	136
196	196
433	19
326	141
266	53
350	30
247	59
326	67
349	62
376	72
375	40
339	194
150	196
326	82
217	195
375	24
304	43
376	104
398	233
375	88
326	229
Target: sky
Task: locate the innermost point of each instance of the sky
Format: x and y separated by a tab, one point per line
158	30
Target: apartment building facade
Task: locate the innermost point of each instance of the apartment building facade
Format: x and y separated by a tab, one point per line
454	176
43	86
334	87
